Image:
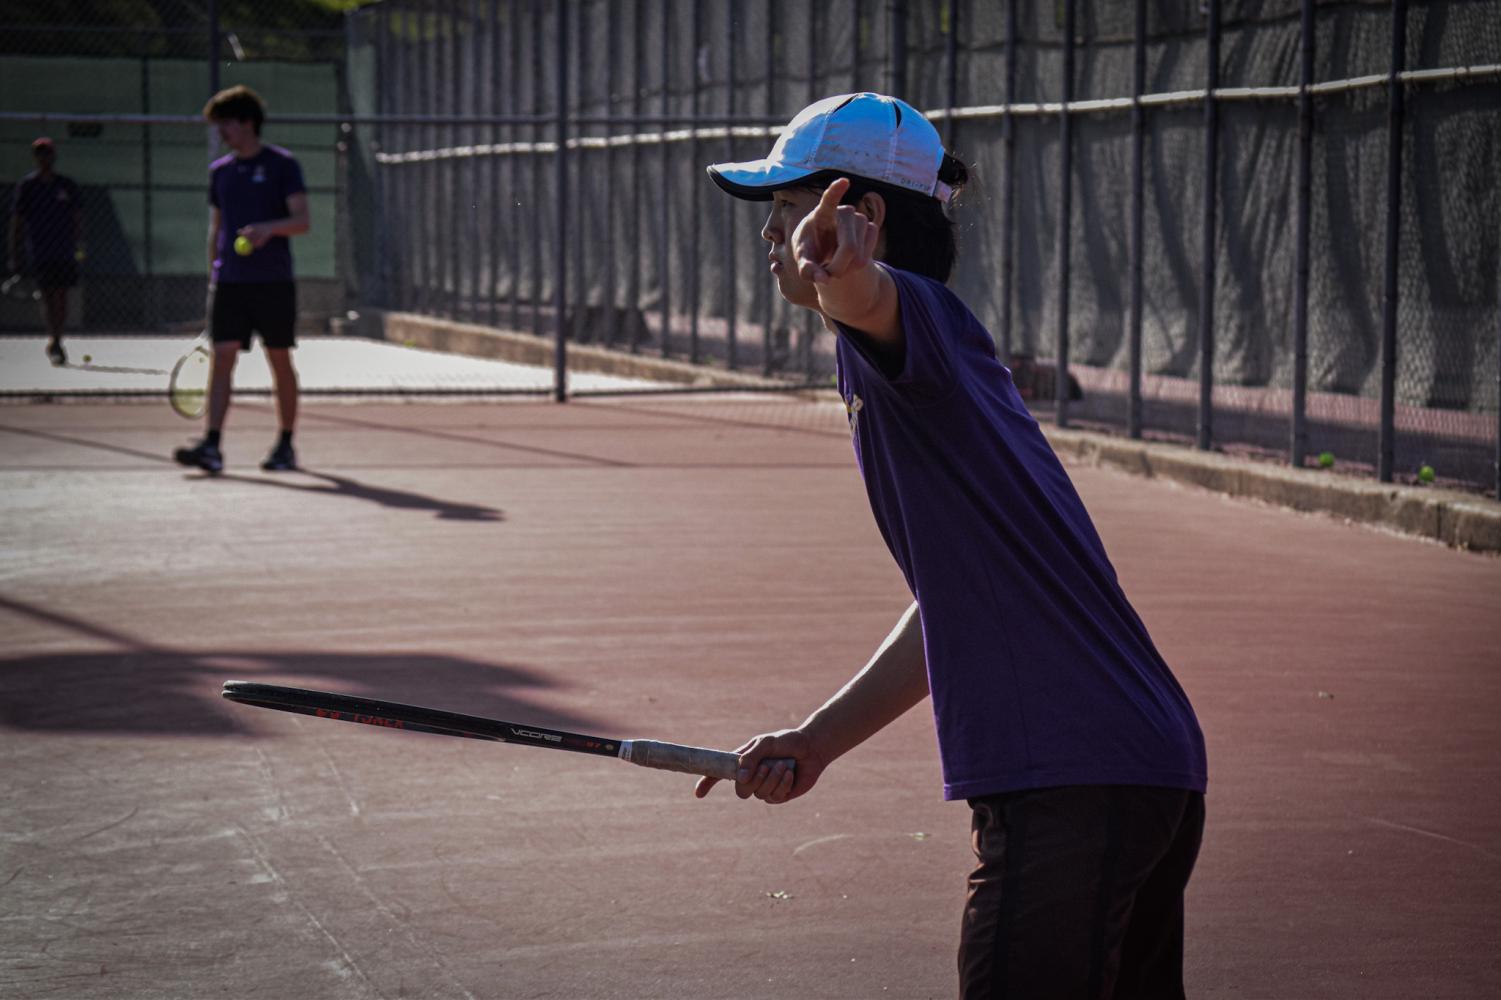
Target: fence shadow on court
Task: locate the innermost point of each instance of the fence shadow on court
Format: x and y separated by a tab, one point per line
145	689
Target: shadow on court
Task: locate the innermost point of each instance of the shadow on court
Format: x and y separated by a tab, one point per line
145	689
344	486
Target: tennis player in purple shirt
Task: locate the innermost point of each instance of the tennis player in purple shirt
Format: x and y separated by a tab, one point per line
257	200
1057	719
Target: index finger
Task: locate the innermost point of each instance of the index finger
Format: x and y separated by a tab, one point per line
829	201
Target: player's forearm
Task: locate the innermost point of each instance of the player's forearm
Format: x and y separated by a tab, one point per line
894	680
292	225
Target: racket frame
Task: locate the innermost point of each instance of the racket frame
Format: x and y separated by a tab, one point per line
413	718
173	397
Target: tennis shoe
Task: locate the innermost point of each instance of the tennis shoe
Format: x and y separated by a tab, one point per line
281	459
56	354
203	455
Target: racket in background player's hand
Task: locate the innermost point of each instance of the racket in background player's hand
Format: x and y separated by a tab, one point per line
187	390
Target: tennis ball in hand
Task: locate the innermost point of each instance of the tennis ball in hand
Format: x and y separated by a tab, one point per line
1425	474
243	246
1326	459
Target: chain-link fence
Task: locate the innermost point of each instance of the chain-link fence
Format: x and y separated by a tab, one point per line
1272	226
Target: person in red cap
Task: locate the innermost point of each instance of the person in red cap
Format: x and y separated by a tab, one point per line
47	219
1057	719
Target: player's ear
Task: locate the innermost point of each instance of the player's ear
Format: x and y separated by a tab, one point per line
873	207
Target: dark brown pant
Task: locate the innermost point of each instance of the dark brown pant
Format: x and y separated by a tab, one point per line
1079	893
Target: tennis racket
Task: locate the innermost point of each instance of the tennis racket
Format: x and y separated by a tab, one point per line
21	287
187	390
390	715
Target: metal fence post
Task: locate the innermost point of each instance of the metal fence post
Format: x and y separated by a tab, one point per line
1138	220
494	134
732	361
768	294
1065	211
898	66
1211	205
561	207
539	134
149	288
1008	192
1299	443
664	257
1394	122
694	186
612	64
951	69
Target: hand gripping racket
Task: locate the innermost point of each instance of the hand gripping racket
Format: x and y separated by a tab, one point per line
390	715
187	390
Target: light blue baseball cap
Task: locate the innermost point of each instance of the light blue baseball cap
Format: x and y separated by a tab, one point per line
870	136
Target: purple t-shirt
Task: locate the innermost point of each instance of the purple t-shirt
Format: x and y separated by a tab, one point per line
253	190
1041	672
48	209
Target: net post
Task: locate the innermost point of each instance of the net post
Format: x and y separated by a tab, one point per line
1205	434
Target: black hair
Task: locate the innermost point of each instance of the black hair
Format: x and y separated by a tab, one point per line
920	236
238	103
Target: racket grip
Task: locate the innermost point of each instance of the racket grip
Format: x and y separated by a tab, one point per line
675	757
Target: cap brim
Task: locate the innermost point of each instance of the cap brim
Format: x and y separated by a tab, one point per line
756	180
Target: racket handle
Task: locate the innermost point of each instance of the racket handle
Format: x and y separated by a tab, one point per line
675	757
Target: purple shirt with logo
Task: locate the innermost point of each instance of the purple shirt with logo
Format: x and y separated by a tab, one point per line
253	190
1041	672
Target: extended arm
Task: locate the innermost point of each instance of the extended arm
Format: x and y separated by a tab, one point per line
835	247
892	681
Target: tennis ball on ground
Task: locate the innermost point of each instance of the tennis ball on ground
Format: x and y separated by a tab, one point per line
408	343
243	246
1326	459
89	357
1425	474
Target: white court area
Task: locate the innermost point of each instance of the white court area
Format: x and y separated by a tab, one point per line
135	364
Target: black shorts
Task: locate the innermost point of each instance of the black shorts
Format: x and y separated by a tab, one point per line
55	273
269	308
1079	893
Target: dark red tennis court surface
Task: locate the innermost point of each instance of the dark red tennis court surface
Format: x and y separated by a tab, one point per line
686	570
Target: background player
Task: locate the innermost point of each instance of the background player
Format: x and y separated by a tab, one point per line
257	200
47	217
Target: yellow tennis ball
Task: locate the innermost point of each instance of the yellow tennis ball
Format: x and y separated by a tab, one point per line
87	358
243	246
1426	474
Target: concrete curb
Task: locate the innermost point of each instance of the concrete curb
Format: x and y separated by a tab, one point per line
1457	519
488	342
